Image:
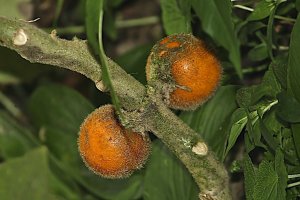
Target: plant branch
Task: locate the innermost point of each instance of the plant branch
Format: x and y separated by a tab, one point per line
145	106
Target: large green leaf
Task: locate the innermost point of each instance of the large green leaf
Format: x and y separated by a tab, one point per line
211	119
175	18
12	67
59	107
58	111
29	178
293	71
167	178
15	140
215	16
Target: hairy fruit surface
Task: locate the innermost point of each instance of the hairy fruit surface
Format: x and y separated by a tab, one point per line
184	70
109	149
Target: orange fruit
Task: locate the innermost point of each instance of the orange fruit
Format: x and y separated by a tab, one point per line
183	67
109	149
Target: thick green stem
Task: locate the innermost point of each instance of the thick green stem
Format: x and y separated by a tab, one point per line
37	46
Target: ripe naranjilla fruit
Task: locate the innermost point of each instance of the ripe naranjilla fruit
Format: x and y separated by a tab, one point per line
184	70
109	149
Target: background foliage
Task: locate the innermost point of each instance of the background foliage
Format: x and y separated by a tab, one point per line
252	123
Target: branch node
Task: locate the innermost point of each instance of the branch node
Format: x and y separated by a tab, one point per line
100	86
200	149
20	38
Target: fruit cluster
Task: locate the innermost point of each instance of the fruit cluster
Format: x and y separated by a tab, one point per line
183	70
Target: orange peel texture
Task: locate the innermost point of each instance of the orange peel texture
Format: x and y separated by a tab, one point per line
194	71
107	148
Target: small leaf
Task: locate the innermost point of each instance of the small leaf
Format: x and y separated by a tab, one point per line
174	19
262	10
294	62
250	177
269	87
288	108
268	136
237	123
267	182
167	178
258	53
280	71
219	26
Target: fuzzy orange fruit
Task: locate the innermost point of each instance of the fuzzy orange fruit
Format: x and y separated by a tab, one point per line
185	71
109	149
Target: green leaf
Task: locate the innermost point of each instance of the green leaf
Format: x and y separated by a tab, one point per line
262	10
133	60
238	121
59	107
174	19
12	67
15	140
296	136
258	53
269	87
58	111
279	68
294	62
268	135
267	182
167	178
282	174
250	177
288	108
219	26
30	178
212	118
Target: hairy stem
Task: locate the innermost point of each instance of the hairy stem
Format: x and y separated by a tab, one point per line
37	46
